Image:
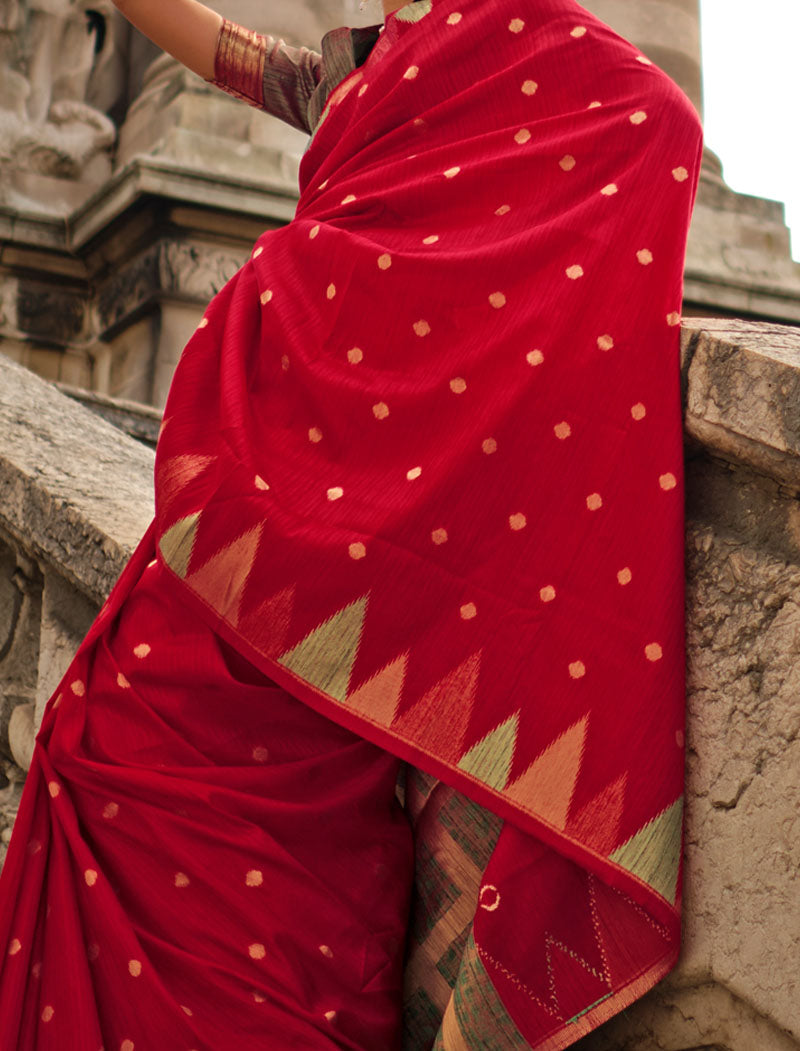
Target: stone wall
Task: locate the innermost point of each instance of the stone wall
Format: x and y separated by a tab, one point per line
75	495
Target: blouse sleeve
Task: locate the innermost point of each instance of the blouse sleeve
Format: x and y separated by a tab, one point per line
267	73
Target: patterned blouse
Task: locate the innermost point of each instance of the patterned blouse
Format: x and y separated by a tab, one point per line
292	83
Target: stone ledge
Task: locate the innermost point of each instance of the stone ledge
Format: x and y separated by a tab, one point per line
742	403
74	491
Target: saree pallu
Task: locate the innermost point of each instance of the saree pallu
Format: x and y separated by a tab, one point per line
421	465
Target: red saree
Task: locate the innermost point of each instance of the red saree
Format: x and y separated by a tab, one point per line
422	465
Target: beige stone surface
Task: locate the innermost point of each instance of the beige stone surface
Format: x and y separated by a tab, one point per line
74	491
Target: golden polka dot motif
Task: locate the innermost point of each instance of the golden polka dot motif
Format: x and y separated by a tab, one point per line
468	611
203	323
594	501
639	117
314	434
57	701
257	951
141	651
126	1045
326	951
624	577
355	355
516	25
260	754
638	411
36	969
90	877
680	174
605	342
534	357
187	1010
562	430
610	190
451	173
259	998
653	652
547	593
330	291
331	1016
529	87
594	105
254	878
673	319
522	136
78	688
411	73
134	968
181	879
497	300
257	252
574	272
312	233
122	682
668	481
489	446
517	521
384	261
110	811
567	162
285	362
335	492
266	296
454	18
431	239
53	787
645	256
14	947
349	198
357	551
322	185
421	328
380	411
47	1013
362	89
504	209
578	32
260	483
439	536
414	473
577	669
458	385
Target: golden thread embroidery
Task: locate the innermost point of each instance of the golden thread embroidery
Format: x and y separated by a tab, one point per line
239	63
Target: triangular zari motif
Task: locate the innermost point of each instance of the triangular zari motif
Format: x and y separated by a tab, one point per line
654	852
324	658
547	786
490	759
177	542
378	697
221	580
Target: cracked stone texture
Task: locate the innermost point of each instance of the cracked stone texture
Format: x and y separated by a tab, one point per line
74	491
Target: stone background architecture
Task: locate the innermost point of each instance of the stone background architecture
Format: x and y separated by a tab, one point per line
130	191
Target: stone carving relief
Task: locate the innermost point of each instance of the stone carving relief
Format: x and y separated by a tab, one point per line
49	52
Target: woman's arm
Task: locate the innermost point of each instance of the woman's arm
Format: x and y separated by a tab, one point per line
187	29
256	67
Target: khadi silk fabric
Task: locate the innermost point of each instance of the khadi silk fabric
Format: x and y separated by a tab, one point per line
422	464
